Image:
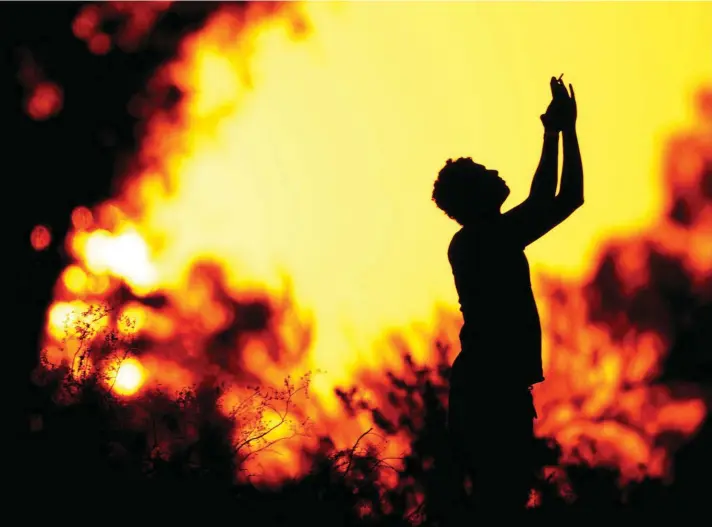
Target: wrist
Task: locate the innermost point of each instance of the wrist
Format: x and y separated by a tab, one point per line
551	132
569	130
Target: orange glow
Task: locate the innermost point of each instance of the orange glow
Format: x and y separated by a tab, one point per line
99	44
86	21
75	279
126	376
132	319
125	256
45	101
65	317
82	218
40	238
43	98
131	22
313	159
596	400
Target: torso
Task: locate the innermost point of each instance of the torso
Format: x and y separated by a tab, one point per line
501	330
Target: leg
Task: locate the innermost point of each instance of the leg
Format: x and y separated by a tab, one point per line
505	473
494	438
461	423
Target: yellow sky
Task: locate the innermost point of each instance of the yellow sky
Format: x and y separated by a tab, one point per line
326	166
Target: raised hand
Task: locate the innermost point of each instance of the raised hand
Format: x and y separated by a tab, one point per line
570	110
558	90
548	118
562	112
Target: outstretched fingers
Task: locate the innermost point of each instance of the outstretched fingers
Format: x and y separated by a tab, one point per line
558	90
562	90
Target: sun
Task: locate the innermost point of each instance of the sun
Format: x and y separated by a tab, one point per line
129	377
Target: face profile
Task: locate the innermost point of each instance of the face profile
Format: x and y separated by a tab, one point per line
466	190
494	188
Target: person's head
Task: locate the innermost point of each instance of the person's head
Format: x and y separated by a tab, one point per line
466	191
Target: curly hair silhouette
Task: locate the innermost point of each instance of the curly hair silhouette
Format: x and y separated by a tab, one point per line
465	190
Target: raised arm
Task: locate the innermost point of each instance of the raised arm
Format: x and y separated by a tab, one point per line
571	191
532	219
544	182
543	188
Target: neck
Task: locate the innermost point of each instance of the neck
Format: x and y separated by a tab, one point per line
490	215
482	217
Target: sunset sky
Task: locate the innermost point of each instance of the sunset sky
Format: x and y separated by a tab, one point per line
330	158
312	156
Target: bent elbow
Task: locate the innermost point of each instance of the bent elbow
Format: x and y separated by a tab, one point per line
571	203
575	204
540	199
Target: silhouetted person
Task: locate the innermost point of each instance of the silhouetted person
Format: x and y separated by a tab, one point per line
491	410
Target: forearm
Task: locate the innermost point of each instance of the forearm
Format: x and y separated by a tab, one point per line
572	172
545	177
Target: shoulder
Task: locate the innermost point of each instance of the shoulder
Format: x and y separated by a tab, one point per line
455	244
459	243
